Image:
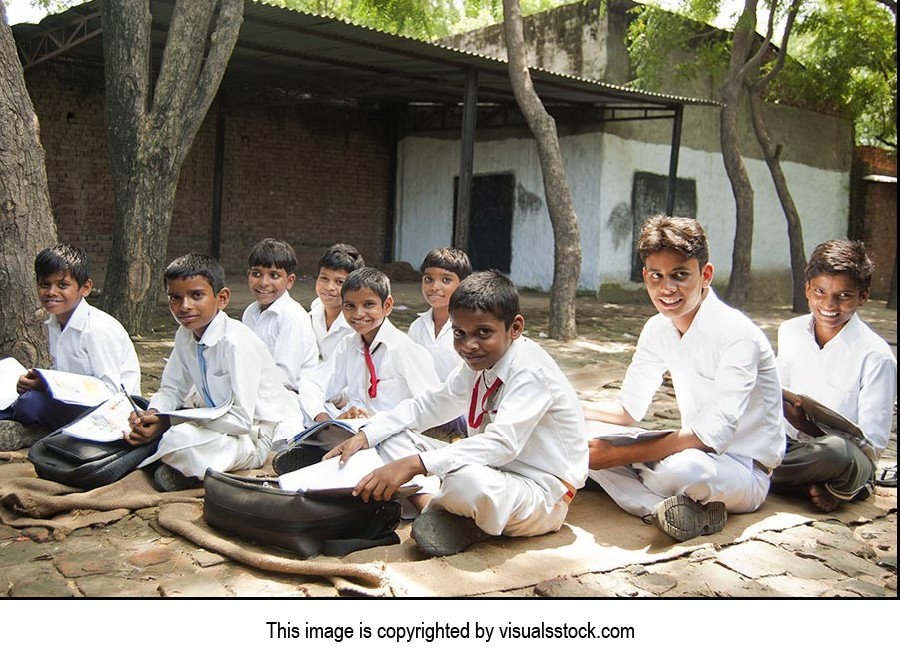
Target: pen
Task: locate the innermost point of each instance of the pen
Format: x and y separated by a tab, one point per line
134	406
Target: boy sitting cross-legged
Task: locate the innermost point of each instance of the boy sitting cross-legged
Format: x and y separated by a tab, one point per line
328	321
280	321
518	470
726	386
834	357
442	270
83	340
228	365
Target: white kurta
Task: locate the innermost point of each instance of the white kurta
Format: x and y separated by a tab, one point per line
729	395
855	374
94	343
327	338
286	330
445	357
240	369
513	476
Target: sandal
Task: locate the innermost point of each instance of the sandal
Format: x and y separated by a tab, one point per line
888	477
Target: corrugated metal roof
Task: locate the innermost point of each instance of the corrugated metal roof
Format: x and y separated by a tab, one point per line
328	56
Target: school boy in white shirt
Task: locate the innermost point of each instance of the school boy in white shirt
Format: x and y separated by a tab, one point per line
831	355
325	312
228	365
442	270
83	340
519	468
726	386
376	367
275	317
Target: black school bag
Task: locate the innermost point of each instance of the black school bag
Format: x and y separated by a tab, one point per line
85	464
333	523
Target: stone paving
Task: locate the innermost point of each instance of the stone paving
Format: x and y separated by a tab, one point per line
135	557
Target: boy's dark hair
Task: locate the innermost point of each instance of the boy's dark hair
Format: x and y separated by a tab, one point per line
491	292
372	278
685	235
197	265
63	258
271	253
341	257
448	258
842	257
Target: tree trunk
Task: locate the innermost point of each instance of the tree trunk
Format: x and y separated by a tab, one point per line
731	91
150	131
795	230
566	235
26	220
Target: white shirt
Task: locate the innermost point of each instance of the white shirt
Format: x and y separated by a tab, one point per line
286	330
445	357
534	423
95	343
725	378
855	374
328	338
238	368
403	368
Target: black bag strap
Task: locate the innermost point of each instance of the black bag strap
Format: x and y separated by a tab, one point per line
342	547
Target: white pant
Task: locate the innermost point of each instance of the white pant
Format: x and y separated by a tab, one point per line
702	476
192	449
502	502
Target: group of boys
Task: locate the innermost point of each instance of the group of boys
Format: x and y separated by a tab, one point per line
465	368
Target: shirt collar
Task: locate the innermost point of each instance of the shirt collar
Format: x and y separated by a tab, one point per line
503	367
279	306
705	314
847	336
78	319
386	334
215	330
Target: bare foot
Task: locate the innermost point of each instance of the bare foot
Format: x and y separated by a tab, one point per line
822	498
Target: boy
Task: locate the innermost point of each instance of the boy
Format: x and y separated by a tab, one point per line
275	317
376	367
442	270
726	385
229	366
831	355
83	340
518	470
328	322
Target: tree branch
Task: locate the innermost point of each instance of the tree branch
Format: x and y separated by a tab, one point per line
222	41
782	52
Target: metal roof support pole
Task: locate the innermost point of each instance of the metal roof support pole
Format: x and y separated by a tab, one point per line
673	160
466	161
215	231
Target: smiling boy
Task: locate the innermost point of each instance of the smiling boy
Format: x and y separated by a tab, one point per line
83	340
376	367
525	456
831	355
726	386
442	270
326	311
275	317
229	366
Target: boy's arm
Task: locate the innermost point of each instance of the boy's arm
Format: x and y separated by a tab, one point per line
878	391
296	352
175	382
608	412
604	455
315	388
113	358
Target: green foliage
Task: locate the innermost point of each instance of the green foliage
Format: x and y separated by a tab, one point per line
848	52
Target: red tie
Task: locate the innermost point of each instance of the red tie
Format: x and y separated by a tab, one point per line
373	379
475	421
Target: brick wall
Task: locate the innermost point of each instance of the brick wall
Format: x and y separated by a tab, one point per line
309	174
878	214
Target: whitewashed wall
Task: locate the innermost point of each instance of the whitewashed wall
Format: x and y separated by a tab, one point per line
600	168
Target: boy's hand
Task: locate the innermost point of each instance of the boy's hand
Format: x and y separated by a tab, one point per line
31	381
355	413
348	447
381	484
795	415
146	427
603	455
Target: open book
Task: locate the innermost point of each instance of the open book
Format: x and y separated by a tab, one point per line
74	388
10	372
107	423
330	476
824	417
620	435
